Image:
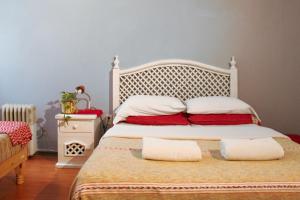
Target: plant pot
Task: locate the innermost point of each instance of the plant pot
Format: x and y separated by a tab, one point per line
69	107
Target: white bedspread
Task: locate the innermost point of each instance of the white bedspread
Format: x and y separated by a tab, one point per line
247	131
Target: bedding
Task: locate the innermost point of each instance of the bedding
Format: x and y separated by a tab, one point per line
218	105
193	132
18	132
221	119
177	119
116	169
144	105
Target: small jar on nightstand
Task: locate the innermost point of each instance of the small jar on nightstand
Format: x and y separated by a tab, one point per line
78	135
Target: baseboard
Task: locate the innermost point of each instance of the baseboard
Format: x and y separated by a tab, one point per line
47	150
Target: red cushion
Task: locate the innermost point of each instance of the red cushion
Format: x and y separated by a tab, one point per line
90	112
295	138
220	119
177	119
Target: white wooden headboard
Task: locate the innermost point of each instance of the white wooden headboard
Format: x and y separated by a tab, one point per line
179	78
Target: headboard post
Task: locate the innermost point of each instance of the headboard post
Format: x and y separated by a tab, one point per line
115	81
233	78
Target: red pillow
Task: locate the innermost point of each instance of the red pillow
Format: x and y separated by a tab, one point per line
220	119
177	119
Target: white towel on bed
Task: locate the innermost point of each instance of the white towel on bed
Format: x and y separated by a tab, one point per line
170	150
251	149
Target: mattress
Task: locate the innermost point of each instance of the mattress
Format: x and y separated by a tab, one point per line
6	148
116	169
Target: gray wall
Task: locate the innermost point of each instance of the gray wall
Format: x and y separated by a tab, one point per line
53	45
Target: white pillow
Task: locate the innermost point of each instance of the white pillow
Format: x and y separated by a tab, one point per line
218	105
143	105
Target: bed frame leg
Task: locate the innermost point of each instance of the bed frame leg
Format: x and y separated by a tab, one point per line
19	174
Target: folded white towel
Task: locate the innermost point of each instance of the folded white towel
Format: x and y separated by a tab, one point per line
251	149
170	150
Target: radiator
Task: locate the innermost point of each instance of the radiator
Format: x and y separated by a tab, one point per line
25	113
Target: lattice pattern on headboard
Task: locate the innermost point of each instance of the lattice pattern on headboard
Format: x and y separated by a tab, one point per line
179	78
180	81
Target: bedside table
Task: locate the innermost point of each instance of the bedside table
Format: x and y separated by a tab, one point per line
77	139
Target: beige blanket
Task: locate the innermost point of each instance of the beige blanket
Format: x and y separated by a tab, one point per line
6	148
116	170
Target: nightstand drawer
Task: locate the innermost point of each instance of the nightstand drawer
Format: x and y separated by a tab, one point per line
76	126
73	134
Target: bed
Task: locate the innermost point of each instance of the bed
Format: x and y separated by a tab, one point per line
14	138
116	169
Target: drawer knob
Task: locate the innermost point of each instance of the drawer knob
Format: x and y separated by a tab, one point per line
74	126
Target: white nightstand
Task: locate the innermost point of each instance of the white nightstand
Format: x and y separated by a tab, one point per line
77	139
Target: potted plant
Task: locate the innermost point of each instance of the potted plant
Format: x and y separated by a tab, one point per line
68	102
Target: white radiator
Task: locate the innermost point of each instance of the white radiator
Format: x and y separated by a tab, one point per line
25	113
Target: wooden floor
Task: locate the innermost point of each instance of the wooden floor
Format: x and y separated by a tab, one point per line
42	180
